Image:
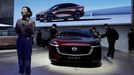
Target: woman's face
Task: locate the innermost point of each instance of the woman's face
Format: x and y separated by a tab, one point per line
93	30
24	12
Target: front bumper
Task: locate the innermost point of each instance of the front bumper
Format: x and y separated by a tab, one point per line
94	56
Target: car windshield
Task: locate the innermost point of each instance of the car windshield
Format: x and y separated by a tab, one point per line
76	33
53	7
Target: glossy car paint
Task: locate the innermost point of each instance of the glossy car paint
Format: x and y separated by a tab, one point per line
59	12
75	50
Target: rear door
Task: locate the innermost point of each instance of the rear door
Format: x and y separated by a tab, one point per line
64	10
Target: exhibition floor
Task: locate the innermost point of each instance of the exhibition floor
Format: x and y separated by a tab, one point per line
122	64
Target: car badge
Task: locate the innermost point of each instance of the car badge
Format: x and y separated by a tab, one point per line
74	49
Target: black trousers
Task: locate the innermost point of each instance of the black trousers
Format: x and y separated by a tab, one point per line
45	42
24	50
111	48
131	45
39	41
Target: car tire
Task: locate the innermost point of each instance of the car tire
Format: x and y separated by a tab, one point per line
77	15
37	19
41	20
99	64
50	17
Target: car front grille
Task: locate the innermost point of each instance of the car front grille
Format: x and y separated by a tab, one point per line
74	50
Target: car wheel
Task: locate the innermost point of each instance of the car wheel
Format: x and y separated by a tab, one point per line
97	64
49	17
41	20
37	19
77	15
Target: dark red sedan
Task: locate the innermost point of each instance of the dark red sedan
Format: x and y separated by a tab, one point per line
75	46
61	11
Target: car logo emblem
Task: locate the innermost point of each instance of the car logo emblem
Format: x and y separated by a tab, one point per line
74	49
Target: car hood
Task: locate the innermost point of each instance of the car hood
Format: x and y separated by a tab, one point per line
78	40
43	12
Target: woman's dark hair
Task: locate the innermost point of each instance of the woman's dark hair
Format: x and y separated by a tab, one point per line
54	25
106	24
29	10
93	27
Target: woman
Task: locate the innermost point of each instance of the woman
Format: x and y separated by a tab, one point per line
95	32
25	28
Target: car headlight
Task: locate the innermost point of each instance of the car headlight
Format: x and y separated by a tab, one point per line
54	43
92	47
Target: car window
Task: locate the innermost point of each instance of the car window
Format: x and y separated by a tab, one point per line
67	5
71	5
53	7
63	6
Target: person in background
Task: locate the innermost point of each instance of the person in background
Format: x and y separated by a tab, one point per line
39	38
45	37
53	31
95	32
131	40
25	28
112	35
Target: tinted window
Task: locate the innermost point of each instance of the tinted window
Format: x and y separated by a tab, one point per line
76	33
63	6
71	5
53	7
67	5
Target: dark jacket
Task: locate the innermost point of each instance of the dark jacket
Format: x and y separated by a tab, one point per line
111	34
25	28
131	36
53	32
39	35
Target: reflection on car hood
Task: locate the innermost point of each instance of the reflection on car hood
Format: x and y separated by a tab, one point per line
77	39
43	12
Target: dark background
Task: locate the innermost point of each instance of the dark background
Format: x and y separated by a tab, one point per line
6	12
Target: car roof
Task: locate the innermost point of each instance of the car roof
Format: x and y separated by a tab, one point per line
66	3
